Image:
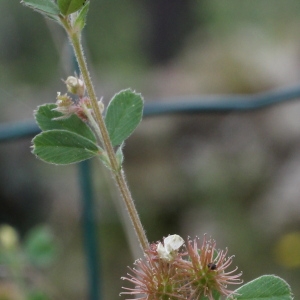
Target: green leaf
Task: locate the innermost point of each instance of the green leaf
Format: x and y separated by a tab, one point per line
63	147
45	114
68	7
124	113
267	287
46	7
81	18
40	247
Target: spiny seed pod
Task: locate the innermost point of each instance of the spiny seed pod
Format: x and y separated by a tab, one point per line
171	270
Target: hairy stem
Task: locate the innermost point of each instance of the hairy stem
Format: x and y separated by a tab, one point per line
118	173
93	122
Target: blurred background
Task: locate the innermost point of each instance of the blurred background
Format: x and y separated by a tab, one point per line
234	176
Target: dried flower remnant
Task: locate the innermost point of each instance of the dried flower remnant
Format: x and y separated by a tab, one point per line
190	273
65	105
81	107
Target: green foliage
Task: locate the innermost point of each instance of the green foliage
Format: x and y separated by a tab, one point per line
64	141
68	7
45	116
63	147
81	18
39	246
119	156
38	249
65	7
267	287
68	140
45	7
124	113
105	160
37	295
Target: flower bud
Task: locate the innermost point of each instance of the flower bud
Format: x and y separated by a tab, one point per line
75	86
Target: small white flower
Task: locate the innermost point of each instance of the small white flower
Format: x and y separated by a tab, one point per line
171	244
162	253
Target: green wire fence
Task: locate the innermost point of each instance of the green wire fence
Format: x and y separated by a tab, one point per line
155	107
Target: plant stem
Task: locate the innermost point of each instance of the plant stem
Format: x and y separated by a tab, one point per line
118	173
92	121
